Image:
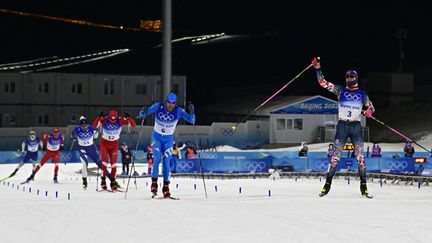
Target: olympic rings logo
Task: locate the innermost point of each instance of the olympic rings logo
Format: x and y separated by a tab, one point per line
85	135
397	165
165	116
66	157
112	126
185	165
209	156
322	165
255	166
227	131
351	96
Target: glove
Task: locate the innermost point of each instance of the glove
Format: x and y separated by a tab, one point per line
44	148
101	114
191	108
126	114
368	113
143	112
316	62
61	147
323	83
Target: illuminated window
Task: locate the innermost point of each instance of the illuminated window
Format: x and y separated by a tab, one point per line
151	25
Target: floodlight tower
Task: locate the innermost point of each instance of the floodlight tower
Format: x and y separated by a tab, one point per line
166	46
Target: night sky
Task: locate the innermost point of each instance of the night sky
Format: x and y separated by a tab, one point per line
280	39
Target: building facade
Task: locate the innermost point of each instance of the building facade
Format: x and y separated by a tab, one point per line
59	99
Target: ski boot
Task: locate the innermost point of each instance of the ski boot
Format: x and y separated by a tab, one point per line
84	183
154	187
113	185
165	189
325	189
55	178
103	183
31	178
363	189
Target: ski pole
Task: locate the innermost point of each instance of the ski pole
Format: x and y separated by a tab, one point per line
70	151
271	97
133	154
398	133
100	157
133	157
199	157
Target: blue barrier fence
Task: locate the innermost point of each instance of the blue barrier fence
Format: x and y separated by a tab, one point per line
244	162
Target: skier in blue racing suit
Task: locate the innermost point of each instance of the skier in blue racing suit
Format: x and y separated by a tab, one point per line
167	115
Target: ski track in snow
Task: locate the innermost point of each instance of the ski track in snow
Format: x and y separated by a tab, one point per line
293	213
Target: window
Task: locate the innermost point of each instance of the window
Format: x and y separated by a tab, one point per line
280	124
9	119
76	88
108	86
330	121
141	89
175	88
46	87
42	119
43	87
289	124
298	124
79	88
9	87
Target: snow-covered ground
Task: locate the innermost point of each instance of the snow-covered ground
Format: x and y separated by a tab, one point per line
292	213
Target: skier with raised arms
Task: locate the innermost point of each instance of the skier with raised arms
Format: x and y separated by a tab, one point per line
351	101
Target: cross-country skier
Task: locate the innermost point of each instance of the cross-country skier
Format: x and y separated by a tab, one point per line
109	142
29	148
166	118
85	134
52	144
351	101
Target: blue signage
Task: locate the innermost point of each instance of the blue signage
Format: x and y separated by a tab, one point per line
314	105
